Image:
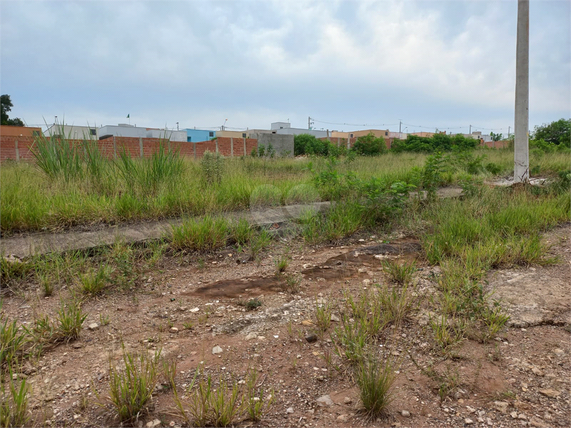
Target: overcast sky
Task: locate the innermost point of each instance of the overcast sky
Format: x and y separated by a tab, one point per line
446	64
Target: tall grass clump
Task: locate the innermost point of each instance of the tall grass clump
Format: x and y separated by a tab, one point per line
12	342
70	318
13	402
375	379
56	157
205	234
131	386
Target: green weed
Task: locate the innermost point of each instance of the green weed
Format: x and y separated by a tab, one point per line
13	402
70	318
375	379
131	386
401	273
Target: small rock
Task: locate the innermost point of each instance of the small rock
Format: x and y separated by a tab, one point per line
335	318
551	393
174	330
501	406
468	421
311	338
289	410
558	352
513	415
307	323
343	418
251	336
216	350
193	310
93	326
405	413
325	401
347	400
154	423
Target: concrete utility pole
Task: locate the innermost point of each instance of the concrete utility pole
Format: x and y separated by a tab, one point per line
521	142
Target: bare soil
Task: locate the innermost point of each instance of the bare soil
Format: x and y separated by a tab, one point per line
187	305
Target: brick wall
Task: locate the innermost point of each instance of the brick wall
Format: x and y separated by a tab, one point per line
111	147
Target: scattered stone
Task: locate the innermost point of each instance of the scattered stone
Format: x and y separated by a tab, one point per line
76	345
307	323
325	401
343	418
536	422
537	371
251	336
311	338
501	406
193	310
551	393
468	421
289	410
347	400
405	413
154	423
216	350
93	326
558	352
335	318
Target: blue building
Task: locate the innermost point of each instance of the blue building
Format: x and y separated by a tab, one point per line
196	135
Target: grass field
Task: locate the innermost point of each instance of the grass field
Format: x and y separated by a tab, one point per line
101	191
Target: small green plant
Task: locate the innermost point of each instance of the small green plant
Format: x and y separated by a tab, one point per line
350	341
446	332
169	373
94	282
131	386
13	402
104	319
292	283
188	325
251	304
12	342
282	263
401	273
257	401
259	242
395	303
323	316
375	379
46	283
212	165
70	318
206	234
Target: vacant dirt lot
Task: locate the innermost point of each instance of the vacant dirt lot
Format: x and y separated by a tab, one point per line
189	305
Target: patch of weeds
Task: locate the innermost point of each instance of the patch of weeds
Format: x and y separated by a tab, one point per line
12	342
169	373
212	165
13	402
131	386
257	401
323	316
104	320
95	281
400	273
241	232
222	403
350	341
375	379
70	318
282	263
46	283
395	303
13	271
188	325
251	304
259	242
446	332
292	283
205	234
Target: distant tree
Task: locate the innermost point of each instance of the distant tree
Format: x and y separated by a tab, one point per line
6	106
496	137
558	132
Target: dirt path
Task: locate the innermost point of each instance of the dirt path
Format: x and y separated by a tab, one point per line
188	307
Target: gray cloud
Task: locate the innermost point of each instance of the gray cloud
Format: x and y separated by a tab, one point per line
446	63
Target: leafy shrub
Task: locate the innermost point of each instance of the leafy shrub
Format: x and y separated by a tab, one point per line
369	145
436	143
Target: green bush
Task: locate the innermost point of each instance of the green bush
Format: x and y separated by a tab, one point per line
369	145
436	143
